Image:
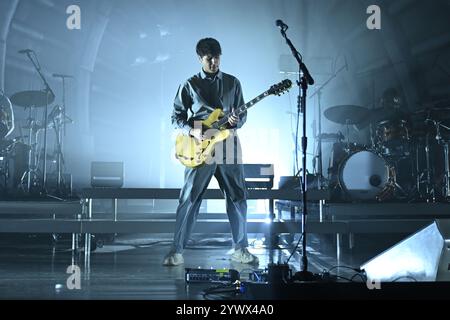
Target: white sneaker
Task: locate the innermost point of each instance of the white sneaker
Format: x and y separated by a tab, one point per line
173	259
244	256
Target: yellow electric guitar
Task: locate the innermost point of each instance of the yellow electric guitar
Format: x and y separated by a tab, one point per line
194	153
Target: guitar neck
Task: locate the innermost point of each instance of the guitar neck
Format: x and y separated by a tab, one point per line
241	109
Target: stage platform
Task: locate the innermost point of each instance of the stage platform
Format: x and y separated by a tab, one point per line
118	243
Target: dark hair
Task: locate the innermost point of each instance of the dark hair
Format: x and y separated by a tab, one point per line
208	46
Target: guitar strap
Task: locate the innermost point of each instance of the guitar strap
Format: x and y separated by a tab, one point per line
221	92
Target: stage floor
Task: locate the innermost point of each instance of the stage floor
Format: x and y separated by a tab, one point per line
130	267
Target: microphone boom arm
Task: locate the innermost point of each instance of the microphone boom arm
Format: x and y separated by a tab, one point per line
38	69
299	59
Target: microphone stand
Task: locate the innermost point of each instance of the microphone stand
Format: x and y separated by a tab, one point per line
49	93
304	80
318	92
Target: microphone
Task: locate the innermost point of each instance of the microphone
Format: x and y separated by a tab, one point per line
25	51
57	75
280	24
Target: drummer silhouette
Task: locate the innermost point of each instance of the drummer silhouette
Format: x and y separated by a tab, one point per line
392	120
392	107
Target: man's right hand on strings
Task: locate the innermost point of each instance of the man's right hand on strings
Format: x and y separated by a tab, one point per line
197	133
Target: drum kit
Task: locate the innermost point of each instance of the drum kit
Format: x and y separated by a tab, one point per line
21	157
407	158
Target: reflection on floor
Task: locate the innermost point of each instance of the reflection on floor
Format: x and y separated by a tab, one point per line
129	267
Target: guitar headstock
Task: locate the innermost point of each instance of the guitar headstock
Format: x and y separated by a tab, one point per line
280	87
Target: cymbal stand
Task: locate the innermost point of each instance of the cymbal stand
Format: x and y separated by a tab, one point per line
31	174
445	144
319	133
347	125
430	195
446	188
4	172
59	121
57	116
373	145
59	152
49	94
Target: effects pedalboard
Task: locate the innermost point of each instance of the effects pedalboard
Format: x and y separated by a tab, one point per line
274	273
193	275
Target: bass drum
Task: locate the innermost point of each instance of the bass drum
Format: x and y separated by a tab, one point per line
363	175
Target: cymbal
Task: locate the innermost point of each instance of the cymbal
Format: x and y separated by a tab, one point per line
346	114
31	99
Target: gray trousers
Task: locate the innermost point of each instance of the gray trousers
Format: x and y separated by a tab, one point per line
196	180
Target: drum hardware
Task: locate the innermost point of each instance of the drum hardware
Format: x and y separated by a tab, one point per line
347	115
373	143
6	117
408	154
30	181
324	138
4	176
4	173
445	143
404	160
426	184
37	99
59	119
6	128
370	173
318	92
392	188
446	184
13	162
